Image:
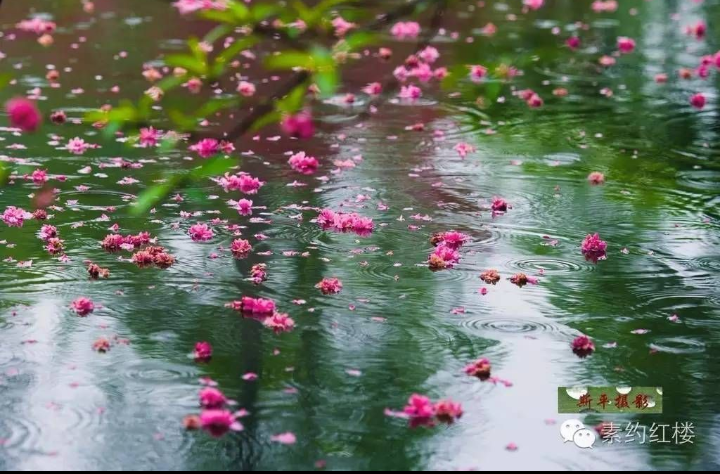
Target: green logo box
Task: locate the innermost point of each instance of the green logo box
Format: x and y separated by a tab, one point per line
611	400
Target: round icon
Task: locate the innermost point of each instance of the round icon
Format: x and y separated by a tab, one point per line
569	428
584	438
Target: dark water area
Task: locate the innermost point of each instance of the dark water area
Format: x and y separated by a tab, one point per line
396	328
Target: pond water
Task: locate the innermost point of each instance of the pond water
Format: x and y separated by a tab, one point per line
396	328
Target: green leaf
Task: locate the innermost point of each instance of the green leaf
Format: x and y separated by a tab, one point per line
291	60
219	16
361	39
327	82
217	33
262	11
215	105
5	79
229	53
185	61
213	167
4	174
183	121
240	11
267	119
294	101
154	194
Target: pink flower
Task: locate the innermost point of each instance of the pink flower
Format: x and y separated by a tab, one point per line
451	239
258	273
429	55
48	232
521	279
329	286
697	101
573	42
279	322
15	217
304	164
341	222
23	114
583	346
420	410
246	89
401	73
410	92
212	398
593	244
626	45
39	177
535	101
102	345
36	25
596	178
149	137
113	242
480	369
477	73
185	7
244	207
499	205
342	26
219	422
78	146
83	306
448	411
606	61
533	4
600	6
698	29
374	88
203	351
463	149
240	248
242	182
201	233
443	257
55	246
405	30
284	438
206	148
299	125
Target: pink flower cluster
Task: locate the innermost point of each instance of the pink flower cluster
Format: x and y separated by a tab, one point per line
242	182
531	98
464	149
244	207
480	369
114	242
23	114
15	216
36	25
521	279
200	232
83	306
153	256
533	4
258	273
300	125
343	222
330	286
265	311
583	346
240	248
209	147
149	137
423	412
215	419
625	45
498	205
405	30
594	248
186	7
256	307
304	164
203	351
600	6
446	253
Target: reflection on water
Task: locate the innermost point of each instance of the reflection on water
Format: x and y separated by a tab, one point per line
64	405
